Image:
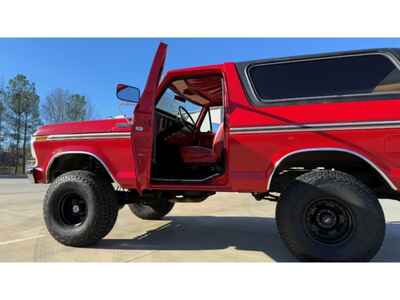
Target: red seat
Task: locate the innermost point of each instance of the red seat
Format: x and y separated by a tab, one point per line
203	155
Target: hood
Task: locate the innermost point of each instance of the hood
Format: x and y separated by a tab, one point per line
93	126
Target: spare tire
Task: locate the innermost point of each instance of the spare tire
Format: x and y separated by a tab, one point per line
151	207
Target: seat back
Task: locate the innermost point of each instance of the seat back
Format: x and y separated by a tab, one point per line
218	142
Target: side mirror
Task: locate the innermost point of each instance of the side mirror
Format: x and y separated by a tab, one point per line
128	93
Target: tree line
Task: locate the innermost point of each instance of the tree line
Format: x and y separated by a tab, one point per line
21	114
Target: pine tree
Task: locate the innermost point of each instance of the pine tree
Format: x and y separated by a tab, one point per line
2	113
22	105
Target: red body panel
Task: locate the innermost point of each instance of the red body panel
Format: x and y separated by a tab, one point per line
263	150
115	153
95	126
143	119
251	157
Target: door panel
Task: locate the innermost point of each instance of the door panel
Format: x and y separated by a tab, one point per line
143	121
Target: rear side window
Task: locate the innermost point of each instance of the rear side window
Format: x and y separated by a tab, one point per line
327	77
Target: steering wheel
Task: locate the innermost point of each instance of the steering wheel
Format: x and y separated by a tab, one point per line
184	115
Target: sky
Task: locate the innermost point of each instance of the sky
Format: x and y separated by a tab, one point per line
93	66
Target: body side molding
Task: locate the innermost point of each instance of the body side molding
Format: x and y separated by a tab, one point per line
317	127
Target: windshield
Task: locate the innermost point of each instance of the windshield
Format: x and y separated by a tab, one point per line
169	104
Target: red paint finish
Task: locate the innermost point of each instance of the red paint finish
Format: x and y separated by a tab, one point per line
94	126
254	155
143	119
250	157
115	153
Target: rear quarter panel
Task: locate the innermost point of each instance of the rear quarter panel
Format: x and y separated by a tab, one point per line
253	155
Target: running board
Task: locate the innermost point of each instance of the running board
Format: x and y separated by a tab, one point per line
185	180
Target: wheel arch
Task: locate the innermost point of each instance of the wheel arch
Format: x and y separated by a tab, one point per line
304	154
57	162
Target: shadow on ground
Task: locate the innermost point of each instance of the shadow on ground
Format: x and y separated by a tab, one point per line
243	233
390	251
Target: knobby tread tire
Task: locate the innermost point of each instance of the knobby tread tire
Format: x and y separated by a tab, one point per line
101	202
369	218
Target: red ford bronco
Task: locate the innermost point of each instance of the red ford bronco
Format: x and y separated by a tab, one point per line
318	134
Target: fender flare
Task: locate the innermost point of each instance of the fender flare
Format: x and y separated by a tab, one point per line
368	161
59	154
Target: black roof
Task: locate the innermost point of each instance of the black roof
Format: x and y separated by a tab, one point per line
394	51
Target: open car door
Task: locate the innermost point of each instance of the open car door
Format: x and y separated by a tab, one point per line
143	121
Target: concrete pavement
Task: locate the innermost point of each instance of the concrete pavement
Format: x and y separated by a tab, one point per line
227	227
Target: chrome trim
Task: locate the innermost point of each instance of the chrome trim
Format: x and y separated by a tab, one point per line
33	151
88	136
78	152
266	101
317	127
385	177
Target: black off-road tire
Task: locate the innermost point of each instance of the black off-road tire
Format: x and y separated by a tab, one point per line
99	208
317	200
153	209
